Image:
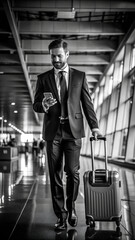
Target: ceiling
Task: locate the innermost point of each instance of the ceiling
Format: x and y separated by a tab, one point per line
94	31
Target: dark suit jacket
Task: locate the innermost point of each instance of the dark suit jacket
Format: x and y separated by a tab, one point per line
78	98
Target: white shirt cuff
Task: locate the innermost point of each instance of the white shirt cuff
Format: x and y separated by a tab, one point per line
95	129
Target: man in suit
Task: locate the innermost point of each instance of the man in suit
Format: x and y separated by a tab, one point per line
63	127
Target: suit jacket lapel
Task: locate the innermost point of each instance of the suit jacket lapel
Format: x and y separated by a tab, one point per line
53	84
70	80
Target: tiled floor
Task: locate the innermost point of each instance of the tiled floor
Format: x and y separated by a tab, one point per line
26	208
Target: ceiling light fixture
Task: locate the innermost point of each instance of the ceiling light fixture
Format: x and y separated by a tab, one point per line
15	128
15	111
66	14
13	103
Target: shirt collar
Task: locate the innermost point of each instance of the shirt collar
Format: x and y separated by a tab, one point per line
65	69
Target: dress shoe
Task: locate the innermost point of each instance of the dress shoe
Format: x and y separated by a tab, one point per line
73	219
61	224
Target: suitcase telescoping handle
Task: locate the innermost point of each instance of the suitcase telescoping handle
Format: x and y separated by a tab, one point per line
92	155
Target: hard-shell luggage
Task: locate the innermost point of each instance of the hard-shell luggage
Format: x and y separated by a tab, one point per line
102	192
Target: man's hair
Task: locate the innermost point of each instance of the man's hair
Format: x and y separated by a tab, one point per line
58	43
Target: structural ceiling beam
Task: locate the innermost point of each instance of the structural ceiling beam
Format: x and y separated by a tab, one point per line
97	70
68	27
45	59
74	45
78	5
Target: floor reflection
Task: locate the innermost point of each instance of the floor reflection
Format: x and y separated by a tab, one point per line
71	234
91	233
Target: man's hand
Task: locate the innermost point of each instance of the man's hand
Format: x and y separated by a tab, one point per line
48	102
96	133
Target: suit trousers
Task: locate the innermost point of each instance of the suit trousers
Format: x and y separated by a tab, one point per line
64	145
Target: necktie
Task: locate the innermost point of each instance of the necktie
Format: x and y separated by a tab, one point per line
63	94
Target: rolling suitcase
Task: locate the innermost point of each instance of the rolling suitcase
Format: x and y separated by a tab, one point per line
102	192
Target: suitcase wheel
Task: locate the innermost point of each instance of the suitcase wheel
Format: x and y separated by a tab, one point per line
90	222
117	220
118	223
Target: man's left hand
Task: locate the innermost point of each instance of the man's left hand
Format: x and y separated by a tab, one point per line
96	134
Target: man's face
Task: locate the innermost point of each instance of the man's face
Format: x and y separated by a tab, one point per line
59	57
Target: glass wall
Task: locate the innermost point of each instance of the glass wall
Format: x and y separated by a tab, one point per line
114	103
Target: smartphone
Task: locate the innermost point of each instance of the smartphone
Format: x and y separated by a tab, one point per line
48	95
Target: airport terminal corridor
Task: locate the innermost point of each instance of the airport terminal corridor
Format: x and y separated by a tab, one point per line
97	57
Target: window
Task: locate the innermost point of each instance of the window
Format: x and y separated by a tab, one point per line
110	139
120	117
102	82
132	83
103	125
133	58
114	98
123	143
111	122
95	98
116	74
108	86
126	115
105	106
95	101
120	72
100	96
98	113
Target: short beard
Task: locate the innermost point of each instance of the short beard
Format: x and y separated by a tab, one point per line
58	66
